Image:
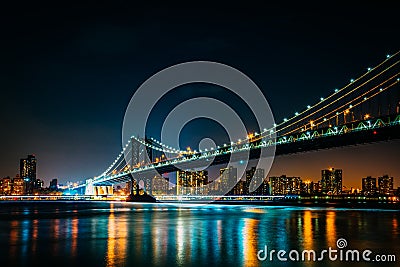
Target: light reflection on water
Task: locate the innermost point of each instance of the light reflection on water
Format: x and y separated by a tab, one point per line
307	234
128	234
330	229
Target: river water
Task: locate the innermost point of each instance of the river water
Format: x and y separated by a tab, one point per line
130	234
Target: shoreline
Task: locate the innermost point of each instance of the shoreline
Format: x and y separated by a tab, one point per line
305	204
280	203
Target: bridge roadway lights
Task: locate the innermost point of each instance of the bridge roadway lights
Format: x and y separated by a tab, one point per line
326	142
381	129
349	139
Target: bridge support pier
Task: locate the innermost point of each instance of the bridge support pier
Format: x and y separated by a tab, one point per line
134	186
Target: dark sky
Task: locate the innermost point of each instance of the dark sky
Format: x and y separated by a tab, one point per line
68	72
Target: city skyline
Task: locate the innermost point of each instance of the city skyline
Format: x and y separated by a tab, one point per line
28	171
295	165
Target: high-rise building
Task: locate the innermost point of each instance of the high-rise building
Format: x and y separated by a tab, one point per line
6	186
228	178
239	189
263	189
252	176
28	172
147	184
53	184
369	186
385	185
308	188
12	186
160	185
191	182
284	185
38	184
331	181
18	186
317	187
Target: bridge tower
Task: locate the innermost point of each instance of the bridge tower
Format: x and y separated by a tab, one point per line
152	153
136	146
141	154
89	188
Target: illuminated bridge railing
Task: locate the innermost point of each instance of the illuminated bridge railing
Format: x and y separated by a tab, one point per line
340	130
357	126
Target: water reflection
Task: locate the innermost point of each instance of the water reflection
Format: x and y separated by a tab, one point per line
74	236
395	226
13	239
25	236
250	247
180	241
331	228
126	234
117	240
308	230
35	231
55	224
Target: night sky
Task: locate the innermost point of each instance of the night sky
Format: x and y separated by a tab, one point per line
67	74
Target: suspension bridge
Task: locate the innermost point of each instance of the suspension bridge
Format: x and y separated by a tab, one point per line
365	110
